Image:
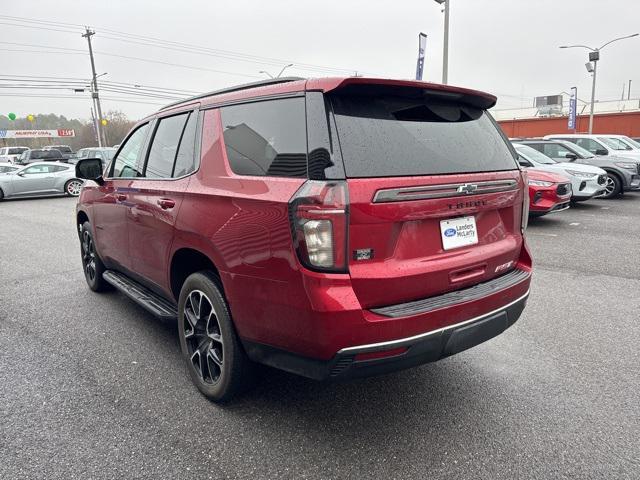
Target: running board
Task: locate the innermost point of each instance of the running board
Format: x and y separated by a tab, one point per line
144	297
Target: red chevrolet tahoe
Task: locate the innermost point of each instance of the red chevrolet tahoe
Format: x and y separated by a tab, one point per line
332	228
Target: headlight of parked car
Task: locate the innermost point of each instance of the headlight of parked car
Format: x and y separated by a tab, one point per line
627	165
540	183
581	174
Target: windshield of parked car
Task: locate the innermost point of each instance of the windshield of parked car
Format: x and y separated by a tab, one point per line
387	135
577	149
631	142
614	143
534	155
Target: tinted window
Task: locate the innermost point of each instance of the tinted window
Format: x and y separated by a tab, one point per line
587	143
554	150
386	136
5	169
533	155
186	161
58	168
16	151
127	162
266	138
165	146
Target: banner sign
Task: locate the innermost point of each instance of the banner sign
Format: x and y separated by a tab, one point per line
422	45
61	132
572	108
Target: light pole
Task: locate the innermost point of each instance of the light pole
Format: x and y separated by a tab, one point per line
445	48
280	74
594	56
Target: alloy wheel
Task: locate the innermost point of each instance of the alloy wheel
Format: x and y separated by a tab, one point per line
609	187
74	187
88	256
203	337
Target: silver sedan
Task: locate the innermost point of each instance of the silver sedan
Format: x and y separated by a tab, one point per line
41	178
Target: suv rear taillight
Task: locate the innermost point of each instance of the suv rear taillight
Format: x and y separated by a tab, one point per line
319	214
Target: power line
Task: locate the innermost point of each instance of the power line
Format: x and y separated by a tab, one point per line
75	51
84	99
178	46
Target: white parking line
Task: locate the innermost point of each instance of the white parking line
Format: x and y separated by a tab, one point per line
574	224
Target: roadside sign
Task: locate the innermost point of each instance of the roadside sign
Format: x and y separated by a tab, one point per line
61	132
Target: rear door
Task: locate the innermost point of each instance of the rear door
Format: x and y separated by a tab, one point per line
435	195
155	197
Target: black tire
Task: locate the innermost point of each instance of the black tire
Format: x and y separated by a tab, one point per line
210	346
1	194
72	187
613	186
92	266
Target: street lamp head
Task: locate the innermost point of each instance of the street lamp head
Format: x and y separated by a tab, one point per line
440	1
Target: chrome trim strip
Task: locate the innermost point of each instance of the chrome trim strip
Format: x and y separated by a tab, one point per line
442	191
391	343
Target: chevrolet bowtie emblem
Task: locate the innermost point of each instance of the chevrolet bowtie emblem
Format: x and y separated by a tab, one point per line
467	188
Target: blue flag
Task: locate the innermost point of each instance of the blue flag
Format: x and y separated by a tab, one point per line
422	44
573	101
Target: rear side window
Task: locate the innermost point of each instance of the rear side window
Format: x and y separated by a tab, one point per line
587	143
127	162
186	160
387	136
164	147
266	138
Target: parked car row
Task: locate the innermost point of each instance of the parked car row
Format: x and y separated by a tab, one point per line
583	167
53	153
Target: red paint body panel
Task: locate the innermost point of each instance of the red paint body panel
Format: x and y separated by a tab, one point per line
242	224
543	199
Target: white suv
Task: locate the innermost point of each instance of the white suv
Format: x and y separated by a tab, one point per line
600	144
587	181
11	154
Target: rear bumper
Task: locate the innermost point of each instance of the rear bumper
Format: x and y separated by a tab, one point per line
393	355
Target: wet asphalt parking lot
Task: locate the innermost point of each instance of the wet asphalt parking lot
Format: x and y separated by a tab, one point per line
92	386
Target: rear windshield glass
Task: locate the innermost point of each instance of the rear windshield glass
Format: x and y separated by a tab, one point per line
395	136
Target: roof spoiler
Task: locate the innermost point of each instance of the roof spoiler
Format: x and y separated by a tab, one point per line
408	88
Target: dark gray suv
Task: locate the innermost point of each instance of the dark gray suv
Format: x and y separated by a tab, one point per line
623	173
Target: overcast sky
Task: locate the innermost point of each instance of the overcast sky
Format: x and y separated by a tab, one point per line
506	47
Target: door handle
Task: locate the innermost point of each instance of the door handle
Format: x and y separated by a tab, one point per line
166	203
121	197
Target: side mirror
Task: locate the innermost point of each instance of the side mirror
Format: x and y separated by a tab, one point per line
601	151
90	169
571	156
20	174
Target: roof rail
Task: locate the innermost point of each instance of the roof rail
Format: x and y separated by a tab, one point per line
244	86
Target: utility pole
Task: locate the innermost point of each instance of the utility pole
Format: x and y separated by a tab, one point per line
445	48
629	91
445	51
94	86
